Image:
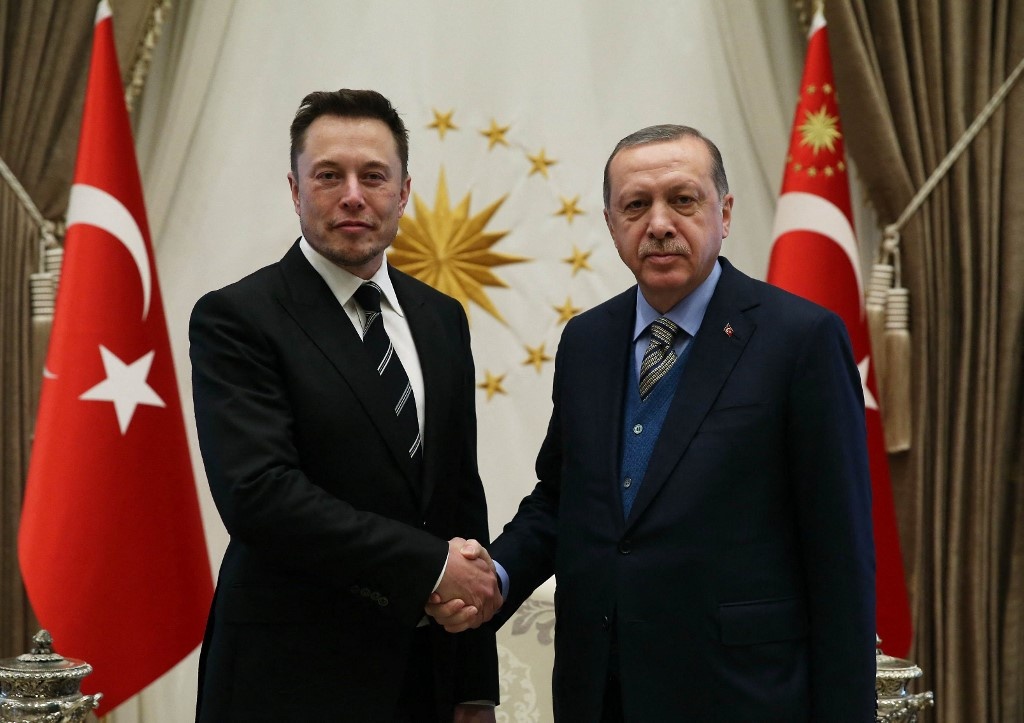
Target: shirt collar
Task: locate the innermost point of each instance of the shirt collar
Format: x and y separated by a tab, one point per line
343	284
688	313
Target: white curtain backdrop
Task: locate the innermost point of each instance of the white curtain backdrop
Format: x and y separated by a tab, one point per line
567	78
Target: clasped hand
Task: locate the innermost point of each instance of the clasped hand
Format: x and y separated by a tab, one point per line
468	595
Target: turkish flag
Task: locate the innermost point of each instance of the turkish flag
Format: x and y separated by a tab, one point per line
815	255
111	543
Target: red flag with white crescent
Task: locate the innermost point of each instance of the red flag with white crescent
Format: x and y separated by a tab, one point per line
111	542
815	255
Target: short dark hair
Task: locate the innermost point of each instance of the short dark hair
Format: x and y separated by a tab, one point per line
662	134
346	103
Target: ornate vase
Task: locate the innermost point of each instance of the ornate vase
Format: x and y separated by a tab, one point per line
43	687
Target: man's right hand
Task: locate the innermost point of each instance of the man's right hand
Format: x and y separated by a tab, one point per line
468	595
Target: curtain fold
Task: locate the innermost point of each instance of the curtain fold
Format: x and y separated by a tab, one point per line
913	75
44	51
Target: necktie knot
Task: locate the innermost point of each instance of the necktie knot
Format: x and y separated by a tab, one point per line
663	331
660	356
368	297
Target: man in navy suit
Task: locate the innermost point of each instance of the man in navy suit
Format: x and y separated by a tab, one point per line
703	495
344	515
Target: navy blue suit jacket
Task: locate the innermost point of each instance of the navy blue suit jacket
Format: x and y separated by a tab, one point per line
741	587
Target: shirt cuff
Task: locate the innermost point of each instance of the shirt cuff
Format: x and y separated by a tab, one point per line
441	576
502	579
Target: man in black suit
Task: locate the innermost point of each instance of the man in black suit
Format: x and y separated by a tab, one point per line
703	495
344	496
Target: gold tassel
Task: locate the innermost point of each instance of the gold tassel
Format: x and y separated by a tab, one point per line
896	391
874	305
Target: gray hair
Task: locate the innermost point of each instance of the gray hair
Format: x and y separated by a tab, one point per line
662	134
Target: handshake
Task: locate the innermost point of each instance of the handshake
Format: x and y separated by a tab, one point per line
468	594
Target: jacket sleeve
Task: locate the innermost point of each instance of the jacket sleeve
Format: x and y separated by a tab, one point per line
827	450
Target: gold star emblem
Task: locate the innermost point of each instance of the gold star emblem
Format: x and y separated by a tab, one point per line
829	172
536	357
820	130
569	208
443	122
812	171
450	250
826	88
579	260
566	311
812	88
492	384
495	134
540	163
840	166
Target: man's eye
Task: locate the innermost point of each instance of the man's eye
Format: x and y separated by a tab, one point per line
634	205
684	200
327	176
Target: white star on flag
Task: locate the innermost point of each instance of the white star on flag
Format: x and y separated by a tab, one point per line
869	398
125	386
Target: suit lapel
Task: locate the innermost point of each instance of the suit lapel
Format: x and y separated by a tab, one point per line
310	302
613	376
713	356
437	379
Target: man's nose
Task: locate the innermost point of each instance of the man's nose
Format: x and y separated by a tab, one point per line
659	224
352	194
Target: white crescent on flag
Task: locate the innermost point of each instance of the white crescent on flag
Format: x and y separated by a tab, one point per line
96	207
810	212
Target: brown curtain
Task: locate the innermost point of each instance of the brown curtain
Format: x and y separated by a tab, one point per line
913	75
44	54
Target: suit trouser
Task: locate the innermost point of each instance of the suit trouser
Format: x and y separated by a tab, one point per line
611	710
417	703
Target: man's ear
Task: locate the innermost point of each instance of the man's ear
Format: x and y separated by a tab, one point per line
294	186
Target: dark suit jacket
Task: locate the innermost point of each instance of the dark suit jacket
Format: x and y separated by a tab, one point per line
334	546
741	588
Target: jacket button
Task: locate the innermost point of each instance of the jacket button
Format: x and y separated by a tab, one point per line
606	623
625	547
382	601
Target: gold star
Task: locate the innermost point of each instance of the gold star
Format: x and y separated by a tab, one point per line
820	130
569	208
451	250
540	163
495	134
798	166
443	122
840	166
566	311
492	384
812	171
579	260
537	357
829	172
811	88
827	88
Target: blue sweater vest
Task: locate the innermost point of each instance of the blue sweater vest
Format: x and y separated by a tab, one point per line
641	425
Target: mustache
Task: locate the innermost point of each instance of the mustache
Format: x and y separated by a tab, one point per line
664	246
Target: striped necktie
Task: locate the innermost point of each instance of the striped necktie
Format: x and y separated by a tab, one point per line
659	357
394	381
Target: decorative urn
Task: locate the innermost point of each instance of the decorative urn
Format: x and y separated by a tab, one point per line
895	704
43	687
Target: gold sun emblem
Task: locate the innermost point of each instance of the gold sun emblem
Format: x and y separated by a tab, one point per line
451	250
820	130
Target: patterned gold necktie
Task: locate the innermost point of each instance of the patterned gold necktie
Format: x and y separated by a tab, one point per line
659	357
